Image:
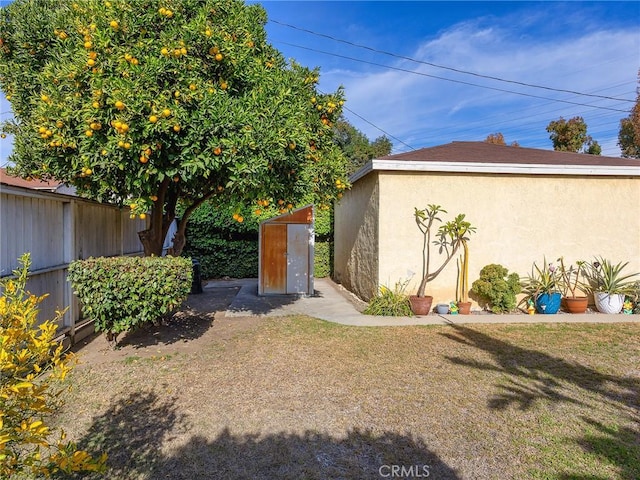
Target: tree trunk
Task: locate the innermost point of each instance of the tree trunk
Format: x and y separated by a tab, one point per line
153	237
151	242
180	239
162	215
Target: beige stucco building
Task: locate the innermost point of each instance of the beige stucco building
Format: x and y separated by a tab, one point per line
527	205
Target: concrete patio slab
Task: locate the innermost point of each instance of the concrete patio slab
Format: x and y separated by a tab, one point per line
334	304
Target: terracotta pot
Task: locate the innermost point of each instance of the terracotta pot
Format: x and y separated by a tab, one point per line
420	305
608	302
576	304
464	308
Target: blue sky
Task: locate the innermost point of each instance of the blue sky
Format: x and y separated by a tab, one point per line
586	47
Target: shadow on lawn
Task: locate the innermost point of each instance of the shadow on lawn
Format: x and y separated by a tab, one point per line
535	375
191	321
137	432
248	303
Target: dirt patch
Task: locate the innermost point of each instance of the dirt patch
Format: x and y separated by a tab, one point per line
200	320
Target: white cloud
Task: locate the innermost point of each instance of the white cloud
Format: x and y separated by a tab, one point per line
435	111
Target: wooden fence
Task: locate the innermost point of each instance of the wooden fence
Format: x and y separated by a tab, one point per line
57	229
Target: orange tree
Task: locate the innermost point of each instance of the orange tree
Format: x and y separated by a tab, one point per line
152	103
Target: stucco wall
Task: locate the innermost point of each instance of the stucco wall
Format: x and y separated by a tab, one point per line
519	220
356	238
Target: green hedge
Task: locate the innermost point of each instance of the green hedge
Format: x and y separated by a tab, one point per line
226	258
225	247
323	259
123	293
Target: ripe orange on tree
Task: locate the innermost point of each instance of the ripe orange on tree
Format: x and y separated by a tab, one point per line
129	104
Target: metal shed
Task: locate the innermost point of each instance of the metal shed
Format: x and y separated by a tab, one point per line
286	253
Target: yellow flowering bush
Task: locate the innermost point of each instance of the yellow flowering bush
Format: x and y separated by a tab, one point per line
32	363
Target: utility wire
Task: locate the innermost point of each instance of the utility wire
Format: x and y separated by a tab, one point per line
455	81
457	70
375	126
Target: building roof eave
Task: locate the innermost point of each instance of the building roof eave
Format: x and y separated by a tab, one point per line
495	168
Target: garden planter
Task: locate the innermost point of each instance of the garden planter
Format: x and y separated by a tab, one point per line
608	302
548	303
442	308
420	305
576	304
464	308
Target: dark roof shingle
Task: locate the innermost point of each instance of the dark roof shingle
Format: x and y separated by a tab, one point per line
483	152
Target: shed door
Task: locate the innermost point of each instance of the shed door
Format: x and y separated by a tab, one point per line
274	258
297	258
285	258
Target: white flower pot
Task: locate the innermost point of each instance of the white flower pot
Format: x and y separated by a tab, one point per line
608	302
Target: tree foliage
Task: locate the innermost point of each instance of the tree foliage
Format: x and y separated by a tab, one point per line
495	138
32	364
357	147
498	139
571	136
149	103
629	134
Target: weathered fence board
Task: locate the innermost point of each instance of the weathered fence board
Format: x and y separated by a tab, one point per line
57	229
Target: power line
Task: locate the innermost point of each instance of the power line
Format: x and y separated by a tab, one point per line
375	126
590	105
454	81
457	70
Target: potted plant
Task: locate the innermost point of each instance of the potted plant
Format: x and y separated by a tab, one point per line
496	288
573	283
442	308
449	239
608	284
543	286
462	285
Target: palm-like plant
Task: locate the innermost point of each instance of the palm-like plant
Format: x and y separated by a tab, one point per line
542	280
449	238
603	276
572	278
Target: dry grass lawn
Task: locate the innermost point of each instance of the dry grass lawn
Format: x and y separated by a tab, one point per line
299	398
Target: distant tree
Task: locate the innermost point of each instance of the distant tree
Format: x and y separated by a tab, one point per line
356	146
593	148
629	135
571	136
498	139
495	138
381	146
